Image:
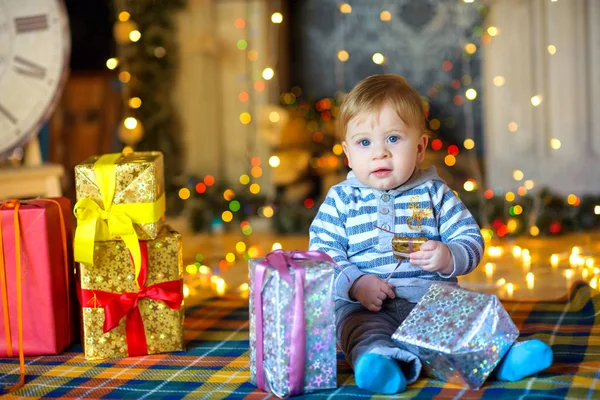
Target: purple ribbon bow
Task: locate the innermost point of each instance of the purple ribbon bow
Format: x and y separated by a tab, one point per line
281	261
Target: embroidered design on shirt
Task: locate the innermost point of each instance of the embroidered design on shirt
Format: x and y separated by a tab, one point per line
415	221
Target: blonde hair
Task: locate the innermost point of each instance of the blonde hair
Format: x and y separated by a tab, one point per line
372	93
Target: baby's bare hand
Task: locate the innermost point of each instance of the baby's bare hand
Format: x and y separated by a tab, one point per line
434	256
371	291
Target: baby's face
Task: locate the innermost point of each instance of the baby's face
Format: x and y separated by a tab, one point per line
382	150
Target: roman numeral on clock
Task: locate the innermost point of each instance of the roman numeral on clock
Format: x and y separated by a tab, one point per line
32	23
8	115
26	67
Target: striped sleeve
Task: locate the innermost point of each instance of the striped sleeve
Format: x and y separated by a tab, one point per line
458	230
327	233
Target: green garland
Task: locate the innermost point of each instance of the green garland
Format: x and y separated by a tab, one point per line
151	62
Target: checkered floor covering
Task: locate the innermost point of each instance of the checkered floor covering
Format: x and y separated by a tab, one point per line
216	363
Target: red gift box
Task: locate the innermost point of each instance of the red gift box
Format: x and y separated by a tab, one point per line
48	315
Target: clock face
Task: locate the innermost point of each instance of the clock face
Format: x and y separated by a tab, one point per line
34	52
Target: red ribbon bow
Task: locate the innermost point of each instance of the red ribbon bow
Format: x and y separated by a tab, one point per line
119	305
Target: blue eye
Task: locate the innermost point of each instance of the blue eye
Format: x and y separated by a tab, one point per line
364	142
393	139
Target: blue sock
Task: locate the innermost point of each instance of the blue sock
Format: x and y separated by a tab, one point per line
524	359
379	374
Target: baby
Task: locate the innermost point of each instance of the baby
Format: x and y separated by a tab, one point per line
384	135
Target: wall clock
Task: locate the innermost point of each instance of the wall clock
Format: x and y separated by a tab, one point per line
34	57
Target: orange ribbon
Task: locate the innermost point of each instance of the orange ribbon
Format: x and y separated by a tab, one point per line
16	204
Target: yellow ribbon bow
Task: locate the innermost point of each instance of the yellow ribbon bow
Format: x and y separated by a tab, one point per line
112	221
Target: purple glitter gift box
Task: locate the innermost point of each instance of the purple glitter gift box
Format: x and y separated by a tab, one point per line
292	323
459	335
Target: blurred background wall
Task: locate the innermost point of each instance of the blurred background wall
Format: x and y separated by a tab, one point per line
241	96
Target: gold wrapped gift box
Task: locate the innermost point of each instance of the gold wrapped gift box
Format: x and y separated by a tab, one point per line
139	179
403	246
114	272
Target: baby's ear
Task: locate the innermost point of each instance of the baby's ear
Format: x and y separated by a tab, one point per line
345	147
421	147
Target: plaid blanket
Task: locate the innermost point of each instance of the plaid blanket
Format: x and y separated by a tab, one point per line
216	363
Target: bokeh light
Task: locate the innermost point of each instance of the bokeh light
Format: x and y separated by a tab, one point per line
345	8
130	123
274	116
471	94
227	216
255	188
378	58
256	172
274	161
499	81
268	74
112	63
268	211
276	18
228	194
200	187
253	55
239	23
244	179
343	55
209	180
518	175
135	102
385	16
492	31
245	118
240	247
135	35
184	193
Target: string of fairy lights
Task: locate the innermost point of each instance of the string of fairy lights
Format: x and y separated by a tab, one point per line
576	264
126	33
326	112
243	248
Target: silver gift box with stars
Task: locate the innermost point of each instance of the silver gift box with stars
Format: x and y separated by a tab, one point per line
458	334
277	297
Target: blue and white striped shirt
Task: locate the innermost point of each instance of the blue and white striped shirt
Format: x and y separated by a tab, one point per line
425	207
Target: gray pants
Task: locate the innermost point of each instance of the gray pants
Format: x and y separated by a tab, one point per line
361	331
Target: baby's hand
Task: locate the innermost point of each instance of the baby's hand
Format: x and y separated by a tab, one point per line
371	291
434	256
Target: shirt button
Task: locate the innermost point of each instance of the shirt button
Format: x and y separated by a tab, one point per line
384	211
385	197
386	227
